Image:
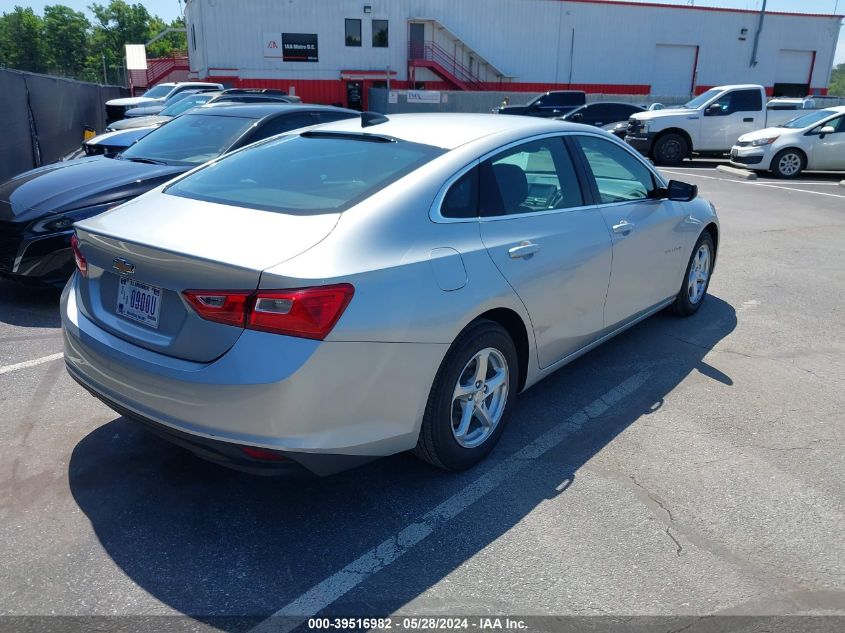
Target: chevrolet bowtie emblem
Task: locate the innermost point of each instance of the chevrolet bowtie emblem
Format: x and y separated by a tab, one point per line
122	266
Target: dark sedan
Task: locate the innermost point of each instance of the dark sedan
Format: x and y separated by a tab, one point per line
39	207
605	114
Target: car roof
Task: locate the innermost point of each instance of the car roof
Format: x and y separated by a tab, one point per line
262	110
449	131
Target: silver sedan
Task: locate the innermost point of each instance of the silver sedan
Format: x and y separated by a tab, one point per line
375	285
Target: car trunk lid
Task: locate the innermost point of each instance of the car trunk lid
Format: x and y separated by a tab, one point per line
143	255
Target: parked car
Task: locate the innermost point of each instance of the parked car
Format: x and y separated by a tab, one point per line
156	108
815	141
551	104
786	103
709	124
39	207
114	142
116	108
602	113
171	111
239	95
375	285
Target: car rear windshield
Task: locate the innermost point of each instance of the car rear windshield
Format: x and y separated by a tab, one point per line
309	174
191	139
808	120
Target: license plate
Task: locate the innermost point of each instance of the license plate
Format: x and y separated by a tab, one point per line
139	301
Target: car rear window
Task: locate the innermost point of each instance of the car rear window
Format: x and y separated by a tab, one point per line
305	174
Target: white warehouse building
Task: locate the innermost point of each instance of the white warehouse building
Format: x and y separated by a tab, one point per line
332	51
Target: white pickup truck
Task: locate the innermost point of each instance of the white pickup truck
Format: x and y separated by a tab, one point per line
709	124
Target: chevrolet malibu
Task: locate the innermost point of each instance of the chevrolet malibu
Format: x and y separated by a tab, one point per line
375	285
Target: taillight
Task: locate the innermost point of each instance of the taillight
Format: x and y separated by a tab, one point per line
303	312
81	262
221	306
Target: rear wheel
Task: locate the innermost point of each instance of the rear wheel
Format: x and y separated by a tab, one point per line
788	163
670	149
470	399
697	278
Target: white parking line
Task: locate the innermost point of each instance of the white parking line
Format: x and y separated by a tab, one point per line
337	585
30	363
758	184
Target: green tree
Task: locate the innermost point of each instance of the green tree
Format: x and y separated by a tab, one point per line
66	35
837	81
22	40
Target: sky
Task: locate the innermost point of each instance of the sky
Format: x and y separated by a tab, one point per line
169	9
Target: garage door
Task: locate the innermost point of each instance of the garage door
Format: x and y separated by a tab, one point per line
792	75
673	70
793	66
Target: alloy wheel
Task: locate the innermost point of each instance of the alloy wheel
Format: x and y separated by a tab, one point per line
699	274
479	398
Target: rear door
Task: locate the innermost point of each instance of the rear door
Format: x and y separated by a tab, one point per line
829	152
649	252
548	242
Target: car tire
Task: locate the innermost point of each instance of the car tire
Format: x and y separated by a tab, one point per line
696	277
670	149
451	437
788	163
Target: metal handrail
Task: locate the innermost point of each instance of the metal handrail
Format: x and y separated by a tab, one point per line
432	52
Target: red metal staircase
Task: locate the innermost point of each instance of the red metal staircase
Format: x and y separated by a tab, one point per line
445	65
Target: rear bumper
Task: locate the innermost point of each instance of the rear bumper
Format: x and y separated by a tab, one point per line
641	142
300	397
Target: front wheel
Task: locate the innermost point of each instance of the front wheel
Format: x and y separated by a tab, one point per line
670	149
470	399
697	278
788	163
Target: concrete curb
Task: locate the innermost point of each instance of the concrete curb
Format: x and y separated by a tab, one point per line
744	174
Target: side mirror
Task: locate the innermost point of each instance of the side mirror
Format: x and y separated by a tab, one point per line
827	129
681	191
714	109
576	117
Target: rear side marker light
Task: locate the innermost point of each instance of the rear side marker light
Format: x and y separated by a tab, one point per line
263	454
303	312
79	258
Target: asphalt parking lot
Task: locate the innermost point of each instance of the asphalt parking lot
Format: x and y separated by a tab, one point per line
687	467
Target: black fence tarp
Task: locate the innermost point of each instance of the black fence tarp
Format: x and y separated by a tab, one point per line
43	118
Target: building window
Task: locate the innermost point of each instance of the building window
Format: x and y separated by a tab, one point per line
380	34
353	32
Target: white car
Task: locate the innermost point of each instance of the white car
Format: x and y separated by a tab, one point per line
814	141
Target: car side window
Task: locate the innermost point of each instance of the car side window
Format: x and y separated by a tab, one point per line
837	124
737	101
619	176
535	176
461	201
330	117
284	124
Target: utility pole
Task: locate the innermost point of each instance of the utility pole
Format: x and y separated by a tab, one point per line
105	77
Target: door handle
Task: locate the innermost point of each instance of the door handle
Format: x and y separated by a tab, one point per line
748	120
623	228
523	249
